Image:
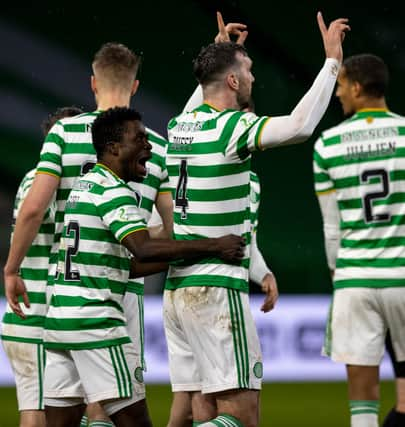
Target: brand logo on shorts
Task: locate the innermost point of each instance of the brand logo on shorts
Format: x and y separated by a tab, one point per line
139	374
258	369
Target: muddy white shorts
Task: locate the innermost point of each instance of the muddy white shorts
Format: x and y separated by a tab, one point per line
212	340
358	323
27	361
112	376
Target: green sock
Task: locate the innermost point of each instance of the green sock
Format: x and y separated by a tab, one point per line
364	413
101	424
222	420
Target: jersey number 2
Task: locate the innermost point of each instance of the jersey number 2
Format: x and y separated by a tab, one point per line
72	228
369	197
181	190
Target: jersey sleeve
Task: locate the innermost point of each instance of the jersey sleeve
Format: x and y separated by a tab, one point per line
254	200
50	161
242	131
159	150
322	179
120	212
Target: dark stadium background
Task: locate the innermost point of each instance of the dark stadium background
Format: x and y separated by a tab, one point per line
45	53
45	58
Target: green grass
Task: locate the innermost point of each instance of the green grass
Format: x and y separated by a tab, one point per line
282	404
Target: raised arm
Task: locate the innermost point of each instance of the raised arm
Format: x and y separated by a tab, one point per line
300	124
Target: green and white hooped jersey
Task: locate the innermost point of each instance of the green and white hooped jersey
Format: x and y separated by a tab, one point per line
93	267
208	161
156	182
363	160
254	200
34	272
68	153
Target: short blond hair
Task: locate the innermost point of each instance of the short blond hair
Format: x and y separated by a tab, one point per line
115	65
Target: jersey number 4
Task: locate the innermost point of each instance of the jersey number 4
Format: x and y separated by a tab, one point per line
368	198
181	190
73	228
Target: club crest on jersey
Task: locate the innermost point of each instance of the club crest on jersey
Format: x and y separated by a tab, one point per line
258	370
247	121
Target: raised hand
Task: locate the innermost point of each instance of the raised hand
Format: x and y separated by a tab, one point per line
234	28
231	248
15	287
333	36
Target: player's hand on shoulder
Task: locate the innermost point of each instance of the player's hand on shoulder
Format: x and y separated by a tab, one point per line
269	287
233	28
333	36
231	248
15	287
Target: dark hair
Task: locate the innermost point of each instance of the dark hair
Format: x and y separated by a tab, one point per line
116	63
110	126
214	59
368	70
60	113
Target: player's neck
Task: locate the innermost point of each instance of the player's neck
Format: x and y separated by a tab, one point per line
111	100
372	104
220	99
221	104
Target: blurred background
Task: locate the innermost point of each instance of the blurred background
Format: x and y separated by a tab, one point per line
45	62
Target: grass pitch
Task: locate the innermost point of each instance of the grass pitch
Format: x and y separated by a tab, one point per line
282	404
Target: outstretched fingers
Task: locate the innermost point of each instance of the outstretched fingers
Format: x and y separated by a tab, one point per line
222	35
234	28
333	36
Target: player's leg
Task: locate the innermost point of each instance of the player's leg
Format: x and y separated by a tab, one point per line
223	337
134	414
96	416
204	407
180	412
234	408
363	391
113	377
63	392
184	375
63	416
32	419
394	301
357	334
27	363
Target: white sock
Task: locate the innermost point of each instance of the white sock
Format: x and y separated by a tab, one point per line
364	420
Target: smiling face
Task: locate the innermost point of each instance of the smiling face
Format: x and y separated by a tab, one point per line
135	151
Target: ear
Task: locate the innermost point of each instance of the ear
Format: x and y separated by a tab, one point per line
233	81
113	148
135	86
93	84
357	89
